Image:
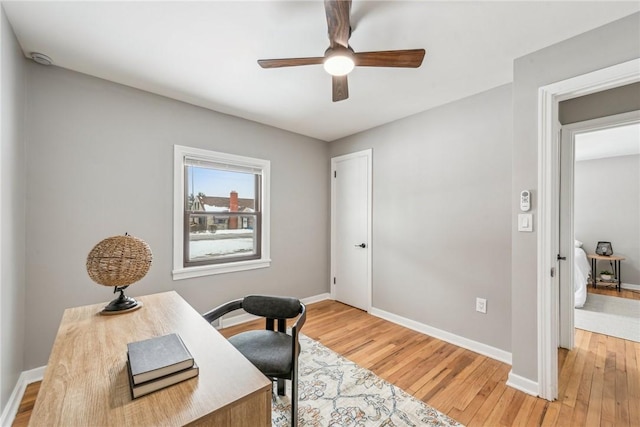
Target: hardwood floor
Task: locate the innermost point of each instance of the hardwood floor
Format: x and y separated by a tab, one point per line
599	380
611	291
26	404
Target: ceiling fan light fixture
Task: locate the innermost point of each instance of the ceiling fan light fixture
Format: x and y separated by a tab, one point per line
339	62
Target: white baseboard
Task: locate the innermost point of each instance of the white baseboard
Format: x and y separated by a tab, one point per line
25	378
244	318
523	384
225	322
630	286
475	346
316	298
486	350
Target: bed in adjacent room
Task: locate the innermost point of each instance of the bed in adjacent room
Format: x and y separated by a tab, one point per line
582	269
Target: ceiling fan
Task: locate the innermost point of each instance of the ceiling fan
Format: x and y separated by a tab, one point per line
339	59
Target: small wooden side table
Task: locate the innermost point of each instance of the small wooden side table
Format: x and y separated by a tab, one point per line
616	269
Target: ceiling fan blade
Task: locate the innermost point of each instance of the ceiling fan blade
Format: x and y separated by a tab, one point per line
340	88
289	62
338	21
410	58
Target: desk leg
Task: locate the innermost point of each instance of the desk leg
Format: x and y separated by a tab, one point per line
616	267
593	273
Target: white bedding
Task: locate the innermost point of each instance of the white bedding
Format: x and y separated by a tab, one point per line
582	269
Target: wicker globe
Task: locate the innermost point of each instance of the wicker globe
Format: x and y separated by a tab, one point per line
119	261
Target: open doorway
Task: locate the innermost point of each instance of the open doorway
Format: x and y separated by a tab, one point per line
605	208
599	201
549	98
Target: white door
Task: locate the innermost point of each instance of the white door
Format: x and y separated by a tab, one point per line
351	229
565	256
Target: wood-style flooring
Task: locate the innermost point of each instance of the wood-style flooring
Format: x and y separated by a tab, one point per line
611	291
599	380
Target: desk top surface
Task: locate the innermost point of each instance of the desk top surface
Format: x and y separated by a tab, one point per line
86	380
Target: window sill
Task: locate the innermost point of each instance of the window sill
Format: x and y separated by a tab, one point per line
208	270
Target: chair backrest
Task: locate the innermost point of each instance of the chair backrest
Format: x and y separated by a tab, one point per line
271	307
276	309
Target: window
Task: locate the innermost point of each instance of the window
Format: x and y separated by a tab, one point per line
221	213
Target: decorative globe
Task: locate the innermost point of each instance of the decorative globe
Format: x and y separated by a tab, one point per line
119	261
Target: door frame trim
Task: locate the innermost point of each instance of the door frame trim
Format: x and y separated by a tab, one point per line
549	97
368	153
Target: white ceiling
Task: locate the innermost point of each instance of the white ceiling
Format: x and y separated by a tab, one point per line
610	142
205	53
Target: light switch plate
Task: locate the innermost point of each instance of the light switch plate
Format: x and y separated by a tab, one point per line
481	305
525	222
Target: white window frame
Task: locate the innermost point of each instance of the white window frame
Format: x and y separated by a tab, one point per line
179	270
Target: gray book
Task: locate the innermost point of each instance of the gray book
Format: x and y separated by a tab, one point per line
157	357
162	382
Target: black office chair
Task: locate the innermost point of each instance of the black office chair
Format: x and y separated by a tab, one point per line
273	352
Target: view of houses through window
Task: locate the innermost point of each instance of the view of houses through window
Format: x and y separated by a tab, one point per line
222	214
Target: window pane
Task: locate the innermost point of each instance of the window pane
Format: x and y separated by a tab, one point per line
220	237
227	228
214	190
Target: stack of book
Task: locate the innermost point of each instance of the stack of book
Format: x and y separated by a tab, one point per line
157	363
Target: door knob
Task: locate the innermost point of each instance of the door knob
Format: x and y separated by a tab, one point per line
361	245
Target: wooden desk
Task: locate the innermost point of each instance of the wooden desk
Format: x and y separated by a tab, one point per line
86	383
615	260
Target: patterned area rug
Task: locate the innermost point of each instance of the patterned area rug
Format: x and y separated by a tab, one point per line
604	314
335	392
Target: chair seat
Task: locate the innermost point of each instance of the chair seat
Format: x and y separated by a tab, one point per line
269	351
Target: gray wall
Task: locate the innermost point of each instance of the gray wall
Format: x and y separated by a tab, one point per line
609	102
600	48
100	163
12	211
441	228
607	208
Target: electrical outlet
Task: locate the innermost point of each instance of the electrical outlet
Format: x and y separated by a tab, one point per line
481	305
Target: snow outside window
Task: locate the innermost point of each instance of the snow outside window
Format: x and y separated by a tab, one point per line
221	214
